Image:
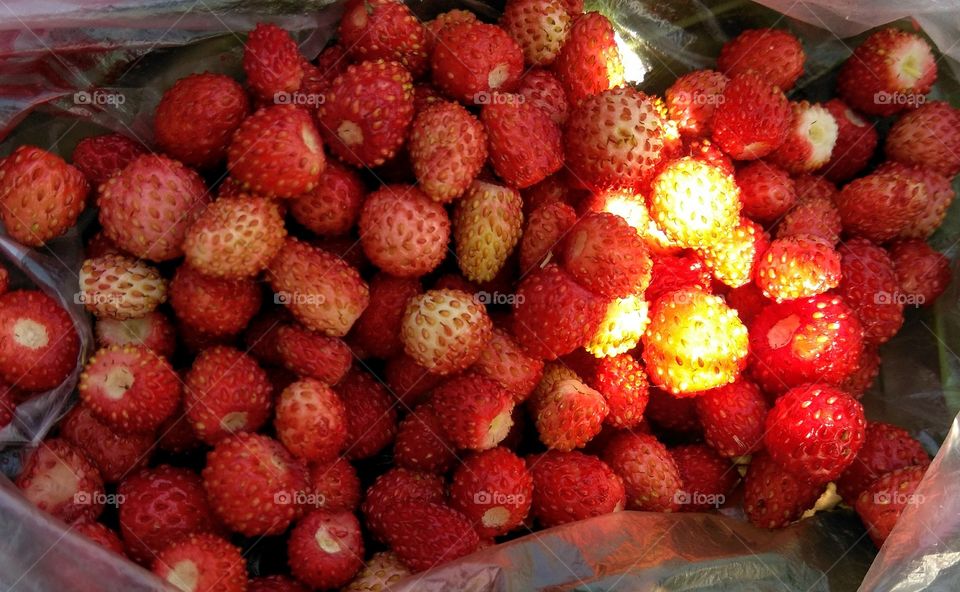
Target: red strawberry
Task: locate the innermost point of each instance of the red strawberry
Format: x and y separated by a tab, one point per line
197	116
707	477
814	186
113	453
871	288
733	418
325	549
568	415
100	534
447	146
540	27
672	272
571	486
553	315
810	140
889	72
407	380
605	255
815	431
312	355
774	497
99	157
120	287
427	534
799	341
797	267
868	367
524	143
323	292
202	562
933	210
335	485
333	206
881	504
815	217
274	584
752	119
589	62
272	62
445	330
161	505
487	224
649	474
855	145
881	205
57	478
331	62
395	488
377	330
367	112
558	187
622	382
472	60
235	237
886	447
311	421
267	499
734	258
623	324
694	342
692	100
603	152
506	362
371	414
494	490
177	435
226	392
923	274
748	301
928	136
153	331
766	190
213	306
147	207
695	204
384	30
673	416
421	445
546	227
474	412
38	344
41	196
541	89
773	54
403	232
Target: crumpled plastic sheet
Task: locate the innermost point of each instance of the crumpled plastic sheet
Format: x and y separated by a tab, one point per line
52	49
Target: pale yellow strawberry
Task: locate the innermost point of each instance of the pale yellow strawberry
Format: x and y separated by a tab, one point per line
120	287
623	325
487	224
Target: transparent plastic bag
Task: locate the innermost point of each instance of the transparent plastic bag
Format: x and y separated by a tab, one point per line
51	51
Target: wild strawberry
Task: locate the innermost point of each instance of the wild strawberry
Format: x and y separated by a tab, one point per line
472	60
487	224
202	562
403	232
797	267
540	27
816	339
922	272
811	186
99	157
773	496
371	414
57	478
445	20
160	505
692	100
506	362
384	30
815	431
447	147
421	445
752	119
272	62
886	448
553	315
367	112
540	88
235	237
398	487
882	503
672	272
928	136
673	416
312	355
325	549
274	583
377	330
494	490
604	152
41	196
871	288
810	140
569	415
605	255
445	330
214	306
571	486
427	534
766	190
100	534
379	572
322	291
38	344
888	72
474	411
855	145
120	287
868	367
197	116
773	54
650	476
113	453
734	258
939	196
622	382
335	484
748	300
226	392
146	208
546	227
696	204
622	326
733	418
589	62
407	380
524	143
694	342
311	421
176	435
815	217
333	206
707	478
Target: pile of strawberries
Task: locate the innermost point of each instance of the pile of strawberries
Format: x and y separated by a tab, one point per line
473	253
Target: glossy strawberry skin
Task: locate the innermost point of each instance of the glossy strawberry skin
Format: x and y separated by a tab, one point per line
886	447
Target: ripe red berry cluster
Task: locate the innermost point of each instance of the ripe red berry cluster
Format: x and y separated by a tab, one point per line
475	251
